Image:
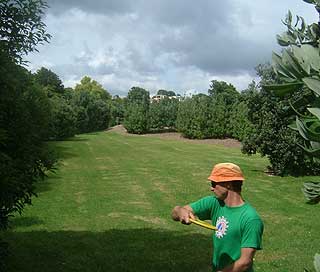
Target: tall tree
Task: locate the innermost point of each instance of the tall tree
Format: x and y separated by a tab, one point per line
24	107
21	27
90	85
49	80
136	119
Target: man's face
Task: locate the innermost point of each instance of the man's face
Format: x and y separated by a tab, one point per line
219	189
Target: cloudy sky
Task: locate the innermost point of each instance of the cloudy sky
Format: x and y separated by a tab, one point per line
177	45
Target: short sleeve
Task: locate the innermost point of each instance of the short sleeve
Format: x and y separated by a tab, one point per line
203	207
252	234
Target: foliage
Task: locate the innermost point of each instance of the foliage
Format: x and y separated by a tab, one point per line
63	119
311	191
271	135
24	124
93	106
21	27
136	118
299	68
117	110
93	113
165	92
204	116
193	117
63	115
89	85
239	124
163	114
224	96
50	81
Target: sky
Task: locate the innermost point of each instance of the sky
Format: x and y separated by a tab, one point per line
176	45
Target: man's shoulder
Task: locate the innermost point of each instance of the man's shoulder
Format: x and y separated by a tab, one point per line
251	213
207	201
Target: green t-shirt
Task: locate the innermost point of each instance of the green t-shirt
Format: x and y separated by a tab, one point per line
238	227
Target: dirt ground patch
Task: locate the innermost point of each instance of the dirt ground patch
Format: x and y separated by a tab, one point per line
177	136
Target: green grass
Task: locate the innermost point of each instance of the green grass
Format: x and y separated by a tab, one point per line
108	207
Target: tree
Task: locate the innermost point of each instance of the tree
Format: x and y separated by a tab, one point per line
163	114
136	119
90	85
223	96
299	69
271	136
166	93
21	27
117	110
239	123
93	106
24	116
49	80
193	119
24	125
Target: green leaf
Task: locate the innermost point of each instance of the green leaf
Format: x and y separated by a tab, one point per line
283	89
302	57
315	112
307	55
311	151
292	65
313	84
279	68
309	128
309	1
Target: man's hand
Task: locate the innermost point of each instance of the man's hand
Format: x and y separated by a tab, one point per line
183	214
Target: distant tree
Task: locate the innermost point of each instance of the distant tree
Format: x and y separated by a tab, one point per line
136	118
93	112
139	96
239	123
49	80
21	27
93	106
165	92
117	110
163	114
63	119
193	117
90	85
224	96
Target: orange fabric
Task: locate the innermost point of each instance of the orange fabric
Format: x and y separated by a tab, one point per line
222	172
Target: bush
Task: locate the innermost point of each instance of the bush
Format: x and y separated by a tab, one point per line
193	117
163	114
24	125
136	118
63	119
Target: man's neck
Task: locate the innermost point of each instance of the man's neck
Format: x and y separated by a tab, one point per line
233	199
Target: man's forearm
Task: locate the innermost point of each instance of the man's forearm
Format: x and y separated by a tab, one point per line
237	266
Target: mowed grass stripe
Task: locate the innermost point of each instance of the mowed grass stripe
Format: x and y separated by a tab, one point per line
107	208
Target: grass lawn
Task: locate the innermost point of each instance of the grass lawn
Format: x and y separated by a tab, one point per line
108	207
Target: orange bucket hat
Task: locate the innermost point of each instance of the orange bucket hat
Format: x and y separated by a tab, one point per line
226	171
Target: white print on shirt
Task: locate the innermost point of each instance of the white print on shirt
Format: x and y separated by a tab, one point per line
222	226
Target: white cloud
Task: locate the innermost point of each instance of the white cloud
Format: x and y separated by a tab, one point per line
176	45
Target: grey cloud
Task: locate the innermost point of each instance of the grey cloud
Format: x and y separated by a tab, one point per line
152	42
90	6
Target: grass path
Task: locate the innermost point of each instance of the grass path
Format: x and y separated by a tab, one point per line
108	206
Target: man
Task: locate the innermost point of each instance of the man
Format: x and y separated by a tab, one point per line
239	227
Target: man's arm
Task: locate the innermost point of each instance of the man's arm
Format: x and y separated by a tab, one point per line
182	214
243	263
